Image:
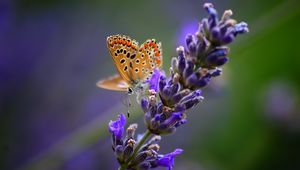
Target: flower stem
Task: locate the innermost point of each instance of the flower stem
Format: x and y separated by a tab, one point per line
140	144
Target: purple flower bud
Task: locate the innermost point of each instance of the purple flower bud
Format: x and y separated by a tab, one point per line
117	127
147	118
215	33
181	59
171	121
192	102
228	38
191	96
192	48
144	104
166	93
189	39
153	110
181	122
168	159
221	61
212	18
128	150
210	9
174	63
241	28
162	83
192	80
213	56
160	107
155	122
163	117
223	29
216	73
216	58
190	43
204	27
174	88
179	108
202	45
189	69
119	151
177	97
202	82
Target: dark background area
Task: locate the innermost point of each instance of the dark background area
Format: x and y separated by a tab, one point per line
52	115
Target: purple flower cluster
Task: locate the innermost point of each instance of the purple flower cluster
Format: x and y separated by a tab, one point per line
206	48
166	105
144	158
170	97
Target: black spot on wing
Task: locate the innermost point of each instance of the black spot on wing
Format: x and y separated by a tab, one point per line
133	56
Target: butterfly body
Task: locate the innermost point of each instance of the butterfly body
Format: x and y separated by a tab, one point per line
134	63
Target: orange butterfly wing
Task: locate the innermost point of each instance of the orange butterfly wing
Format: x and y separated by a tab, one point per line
150	58
123	50
113	83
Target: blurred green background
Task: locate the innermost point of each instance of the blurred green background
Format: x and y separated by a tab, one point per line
52	116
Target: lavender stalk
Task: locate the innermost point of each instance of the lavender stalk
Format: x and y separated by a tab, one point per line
168	98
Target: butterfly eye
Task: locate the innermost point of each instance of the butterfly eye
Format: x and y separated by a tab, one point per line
130	91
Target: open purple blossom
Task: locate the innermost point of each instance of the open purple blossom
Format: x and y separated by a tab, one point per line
169	98
117	127
153	81
168	159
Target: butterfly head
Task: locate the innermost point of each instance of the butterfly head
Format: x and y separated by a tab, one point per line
130	91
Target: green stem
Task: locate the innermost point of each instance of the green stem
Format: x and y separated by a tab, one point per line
140	144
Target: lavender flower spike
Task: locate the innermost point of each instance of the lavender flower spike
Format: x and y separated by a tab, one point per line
167	99
117	127
168	159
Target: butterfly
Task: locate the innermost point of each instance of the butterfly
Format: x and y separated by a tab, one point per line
135	64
